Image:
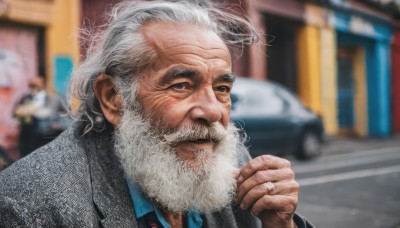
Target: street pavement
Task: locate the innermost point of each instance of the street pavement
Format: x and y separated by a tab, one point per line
356	183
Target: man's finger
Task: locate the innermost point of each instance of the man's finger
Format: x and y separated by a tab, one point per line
280	188
263	162
263	176
284	203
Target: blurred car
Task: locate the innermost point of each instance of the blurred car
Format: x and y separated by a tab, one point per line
274	120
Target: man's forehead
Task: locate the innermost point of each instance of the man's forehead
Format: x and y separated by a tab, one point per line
165	35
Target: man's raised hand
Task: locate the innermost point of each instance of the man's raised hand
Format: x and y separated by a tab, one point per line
273	203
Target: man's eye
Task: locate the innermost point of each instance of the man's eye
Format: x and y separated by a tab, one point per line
224	89
180	86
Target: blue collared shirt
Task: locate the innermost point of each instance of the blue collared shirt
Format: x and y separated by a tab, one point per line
143	206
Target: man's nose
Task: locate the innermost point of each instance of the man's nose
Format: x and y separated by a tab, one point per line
207	108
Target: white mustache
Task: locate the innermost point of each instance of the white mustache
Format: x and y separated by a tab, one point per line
215	132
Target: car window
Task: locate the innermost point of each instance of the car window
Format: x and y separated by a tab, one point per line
257	100
290	97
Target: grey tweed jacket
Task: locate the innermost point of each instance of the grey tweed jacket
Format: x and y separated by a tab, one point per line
76	181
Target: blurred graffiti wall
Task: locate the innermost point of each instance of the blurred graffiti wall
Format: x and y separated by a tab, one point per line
37	37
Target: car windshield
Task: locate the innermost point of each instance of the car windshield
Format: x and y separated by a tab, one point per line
254	100
289	96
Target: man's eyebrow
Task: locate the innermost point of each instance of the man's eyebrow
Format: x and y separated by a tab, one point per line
179	73
230	78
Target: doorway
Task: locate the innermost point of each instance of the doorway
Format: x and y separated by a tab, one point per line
345	85
282	51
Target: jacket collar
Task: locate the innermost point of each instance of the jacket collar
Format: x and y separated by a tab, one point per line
109	188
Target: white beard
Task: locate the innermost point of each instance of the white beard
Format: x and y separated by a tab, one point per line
170	181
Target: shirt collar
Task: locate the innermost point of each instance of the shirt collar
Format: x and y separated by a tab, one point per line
143	205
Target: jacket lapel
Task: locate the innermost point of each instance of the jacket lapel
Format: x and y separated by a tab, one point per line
110	192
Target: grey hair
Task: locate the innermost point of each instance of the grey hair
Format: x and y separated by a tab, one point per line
121	52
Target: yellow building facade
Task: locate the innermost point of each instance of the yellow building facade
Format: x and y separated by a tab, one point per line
60	20
38	37
317	66
318	72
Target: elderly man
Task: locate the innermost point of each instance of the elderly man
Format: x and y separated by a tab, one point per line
153	145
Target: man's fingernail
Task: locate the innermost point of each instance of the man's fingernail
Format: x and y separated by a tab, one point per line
242	206
240	179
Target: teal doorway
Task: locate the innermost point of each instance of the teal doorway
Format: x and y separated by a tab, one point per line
345	85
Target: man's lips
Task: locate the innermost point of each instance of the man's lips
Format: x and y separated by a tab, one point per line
207	139
200	141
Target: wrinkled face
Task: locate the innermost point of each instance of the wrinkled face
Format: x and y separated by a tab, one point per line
189	83
174	138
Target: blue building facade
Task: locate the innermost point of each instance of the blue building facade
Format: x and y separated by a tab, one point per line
373	34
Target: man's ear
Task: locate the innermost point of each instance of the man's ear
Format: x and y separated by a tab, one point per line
109	100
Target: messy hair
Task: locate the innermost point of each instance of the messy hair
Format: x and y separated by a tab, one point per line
121	52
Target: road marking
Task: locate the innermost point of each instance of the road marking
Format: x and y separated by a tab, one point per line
348	175
365	152
387	154
345	163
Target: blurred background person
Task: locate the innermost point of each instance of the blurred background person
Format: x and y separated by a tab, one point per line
41	116
4	159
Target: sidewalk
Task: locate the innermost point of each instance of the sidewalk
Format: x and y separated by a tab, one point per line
335	145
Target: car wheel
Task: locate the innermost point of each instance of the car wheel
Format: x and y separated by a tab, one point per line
309	146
